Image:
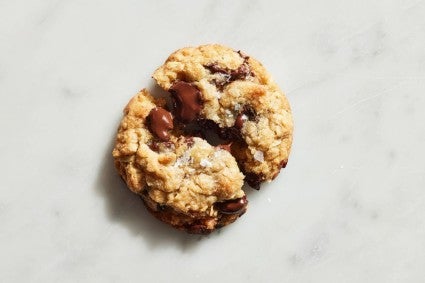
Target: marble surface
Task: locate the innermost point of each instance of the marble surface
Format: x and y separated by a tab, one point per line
350	207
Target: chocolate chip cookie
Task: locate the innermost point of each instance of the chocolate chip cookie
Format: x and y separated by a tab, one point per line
183	180
162	153
231	93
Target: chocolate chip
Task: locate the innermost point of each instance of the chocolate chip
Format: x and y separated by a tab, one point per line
240	119
254	180
240	73
160	122
187	100
233	206
160	146
207	124
228	75
221	82
215	68
198	229
231	133
154	146
250	112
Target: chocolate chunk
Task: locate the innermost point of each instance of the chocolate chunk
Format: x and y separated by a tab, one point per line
233	206
250	112
187	100
160	146
227	75
254	180
198	229
240	119
207	124
215	68
160	122
231	133
240	73
154	146
225	147
221	82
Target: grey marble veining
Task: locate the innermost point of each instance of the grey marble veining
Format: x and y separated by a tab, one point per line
349	207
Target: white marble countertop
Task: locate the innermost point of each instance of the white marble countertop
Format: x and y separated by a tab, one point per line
350	207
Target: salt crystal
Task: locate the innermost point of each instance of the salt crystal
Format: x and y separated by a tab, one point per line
184	159
259	156
205	163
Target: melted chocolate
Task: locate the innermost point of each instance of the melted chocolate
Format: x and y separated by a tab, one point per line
233	206
160	146
250	112
240	119
254	180
229	75
160	122
187	101
231	133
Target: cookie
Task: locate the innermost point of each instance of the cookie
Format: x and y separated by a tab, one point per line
231	93
183	180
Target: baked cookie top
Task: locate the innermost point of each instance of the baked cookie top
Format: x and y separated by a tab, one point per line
215	84
185	174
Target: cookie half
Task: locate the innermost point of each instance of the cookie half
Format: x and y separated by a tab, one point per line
183	180
229	92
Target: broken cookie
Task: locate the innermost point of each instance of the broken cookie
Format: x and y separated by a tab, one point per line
183	179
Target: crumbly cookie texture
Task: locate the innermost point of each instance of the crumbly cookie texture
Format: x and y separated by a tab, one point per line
240	98
183	181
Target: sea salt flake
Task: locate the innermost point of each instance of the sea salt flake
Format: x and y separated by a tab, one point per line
259	156
205	163
184	159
